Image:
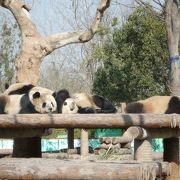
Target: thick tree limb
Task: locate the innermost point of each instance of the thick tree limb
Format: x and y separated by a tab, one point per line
172	20
18	9
62	39
168	20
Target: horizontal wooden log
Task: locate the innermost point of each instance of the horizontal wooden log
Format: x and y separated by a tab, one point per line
35	168
89	120
21	133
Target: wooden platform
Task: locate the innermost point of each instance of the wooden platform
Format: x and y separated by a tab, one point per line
35	168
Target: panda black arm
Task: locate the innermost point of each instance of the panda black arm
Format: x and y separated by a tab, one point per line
105	105
24	90
86	110
26	105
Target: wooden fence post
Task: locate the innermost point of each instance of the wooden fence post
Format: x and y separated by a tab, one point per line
143	150
27	147
172	155
84	142
70	138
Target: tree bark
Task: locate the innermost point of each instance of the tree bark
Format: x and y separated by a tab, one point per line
172	20
173	29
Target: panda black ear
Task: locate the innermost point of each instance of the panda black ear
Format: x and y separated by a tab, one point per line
36	95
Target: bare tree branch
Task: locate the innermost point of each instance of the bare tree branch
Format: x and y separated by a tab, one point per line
20	12
159	3
147	5
62	39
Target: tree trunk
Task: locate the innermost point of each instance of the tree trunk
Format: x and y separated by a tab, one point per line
27	147
173	27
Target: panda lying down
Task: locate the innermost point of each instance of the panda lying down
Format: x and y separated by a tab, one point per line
24	103
50	101
156	105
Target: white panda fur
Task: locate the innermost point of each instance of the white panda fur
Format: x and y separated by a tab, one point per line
155	104
8	102
39	103
69	107
85	103
84	100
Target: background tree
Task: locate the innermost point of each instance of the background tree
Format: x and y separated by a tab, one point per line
134	59
9	46
170	10
172	18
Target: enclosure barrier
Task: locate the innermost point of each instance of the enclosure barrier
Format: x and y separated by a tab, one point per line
141	127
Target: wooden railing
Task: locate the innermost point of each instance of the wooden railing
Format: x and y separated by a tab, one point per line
166	126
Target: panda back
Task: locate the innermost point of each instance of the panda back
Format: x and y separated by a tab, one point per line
84	100
12	105
18	88
154	104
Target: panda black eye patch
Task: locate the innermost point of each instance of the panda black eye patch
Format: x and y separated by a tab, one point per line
44	105
65	103
52	104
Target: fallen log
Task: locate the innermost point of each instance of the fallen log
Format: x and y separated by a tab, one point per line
35	168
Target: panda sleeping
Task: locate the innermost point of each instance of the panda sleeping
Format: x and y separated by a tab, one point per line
76	103
83	103
27	101
155	104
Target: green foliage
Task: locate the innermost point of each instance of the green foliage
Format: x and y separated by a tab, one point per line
134	58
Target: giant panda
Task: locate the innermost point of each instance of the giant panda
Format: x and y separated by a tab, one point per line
83	103
156	105
27	98
38	103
